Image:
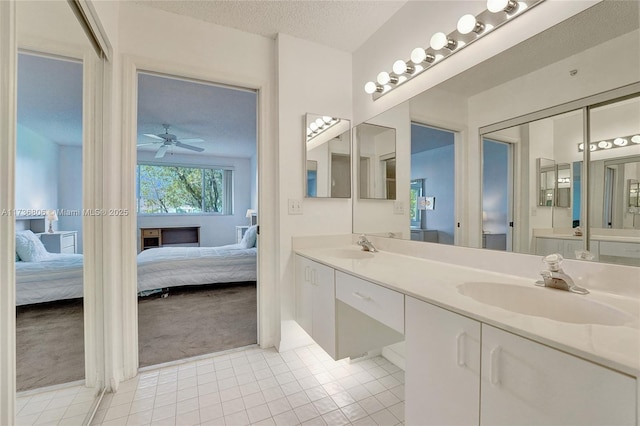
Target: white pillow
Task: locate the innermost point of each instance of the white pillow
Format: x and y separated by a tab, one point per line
29	247
249	237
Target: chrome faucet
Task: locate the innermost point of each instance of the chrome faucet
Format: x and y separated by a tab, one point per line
555	277
366	244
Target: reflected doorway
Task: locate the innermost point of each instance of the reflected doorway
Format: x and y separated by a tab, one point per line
497	195
433	176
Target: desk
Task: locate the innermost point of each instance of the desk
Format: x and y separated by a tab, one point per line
175	236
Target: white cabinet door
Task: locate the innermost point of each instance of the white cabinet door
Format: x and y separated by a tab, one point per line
324	308
443	366
304	293
545	246
526	383
315	302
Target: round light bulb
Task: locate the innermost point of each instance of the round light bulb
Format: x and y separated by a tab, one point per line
320	123
620	141
592	147
399	67
496	6
327	119
438	41
309	132
466	24
418	55
581	147
635	139
384	78
604	144
314	127
370	87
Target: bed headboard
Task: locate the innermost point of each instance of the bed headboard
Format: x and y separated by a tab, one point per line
34	223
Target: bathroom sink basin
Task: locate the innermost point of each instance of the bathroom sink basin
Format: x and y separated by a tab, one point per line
549	303
349	253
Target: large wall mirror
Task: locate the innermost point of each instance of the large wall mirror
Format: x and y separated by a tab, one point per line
57	78
327	142
484	108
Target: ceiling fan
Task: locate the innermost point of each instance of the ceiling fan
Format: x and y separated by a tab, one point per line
168	140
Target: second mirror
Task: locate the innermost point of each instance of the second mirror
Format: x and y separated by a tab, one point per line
376	161
327	157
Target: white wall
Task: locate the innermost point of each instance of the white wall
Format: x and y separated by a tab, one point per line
215	230
70	190
311	78
37	171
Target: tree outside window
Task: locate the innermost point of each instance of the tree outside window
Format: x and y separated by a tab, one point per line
183	190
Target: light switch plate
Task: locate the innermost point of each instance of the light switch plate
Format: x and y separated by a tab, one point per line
398	207
295	206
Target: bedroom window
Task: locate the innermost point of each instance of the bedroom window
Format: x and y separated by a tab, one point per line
183	190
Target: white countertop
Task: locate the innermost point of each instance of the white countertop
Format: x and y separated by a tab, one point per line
617	347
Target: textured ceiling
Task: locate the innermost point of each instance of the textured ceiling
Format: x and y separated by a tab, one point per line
341	24
225	118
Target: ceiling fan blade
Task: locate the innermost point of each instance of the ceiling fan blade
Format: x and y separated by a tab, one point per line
161	151
192	148
192	140
146	143
154	136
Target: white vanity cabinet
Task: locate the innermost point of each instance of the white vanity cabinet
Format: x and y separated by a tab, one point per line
442	384
527	383
462	372
346	315
315	302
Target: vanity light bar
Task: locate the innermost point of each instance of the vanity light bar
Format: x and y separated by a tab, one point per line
612	143
320	125
469	29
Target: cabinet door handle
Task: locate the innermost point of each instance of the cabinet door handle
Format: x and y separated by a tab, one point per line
314	277
494	361
307	273
361	296
460	338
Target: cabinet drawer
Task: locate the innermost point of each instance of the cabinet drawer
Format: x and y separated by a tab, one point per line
68	241
380	303
620	249
151	233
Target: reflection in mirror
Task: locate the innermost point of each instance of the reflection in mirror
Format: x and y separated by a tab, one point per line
376	161
546	182
563	185
498	95
57	67
614	165
327	157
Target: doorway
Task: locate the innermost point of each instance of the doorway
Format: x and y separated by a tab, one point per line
196	190
433	177
497	195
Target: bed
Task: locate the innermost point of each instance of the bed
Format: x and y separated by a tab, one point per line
45	277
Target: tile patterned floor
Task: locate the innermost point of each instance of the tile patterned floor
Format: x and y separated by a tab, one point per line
61	405
261	387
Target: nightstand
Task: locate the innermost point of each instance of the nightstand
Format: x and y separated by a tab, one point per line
60	241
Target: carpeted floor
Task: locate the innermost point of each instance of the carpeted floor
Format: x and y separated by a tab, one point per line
49	344
196	321
190	321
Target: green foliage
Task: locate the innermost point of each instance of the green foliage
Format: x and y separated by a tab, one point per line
172	189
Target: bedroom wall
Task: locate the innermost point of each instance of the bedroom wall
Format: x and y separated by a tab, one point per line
70	189
329	70
215	230
36	169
